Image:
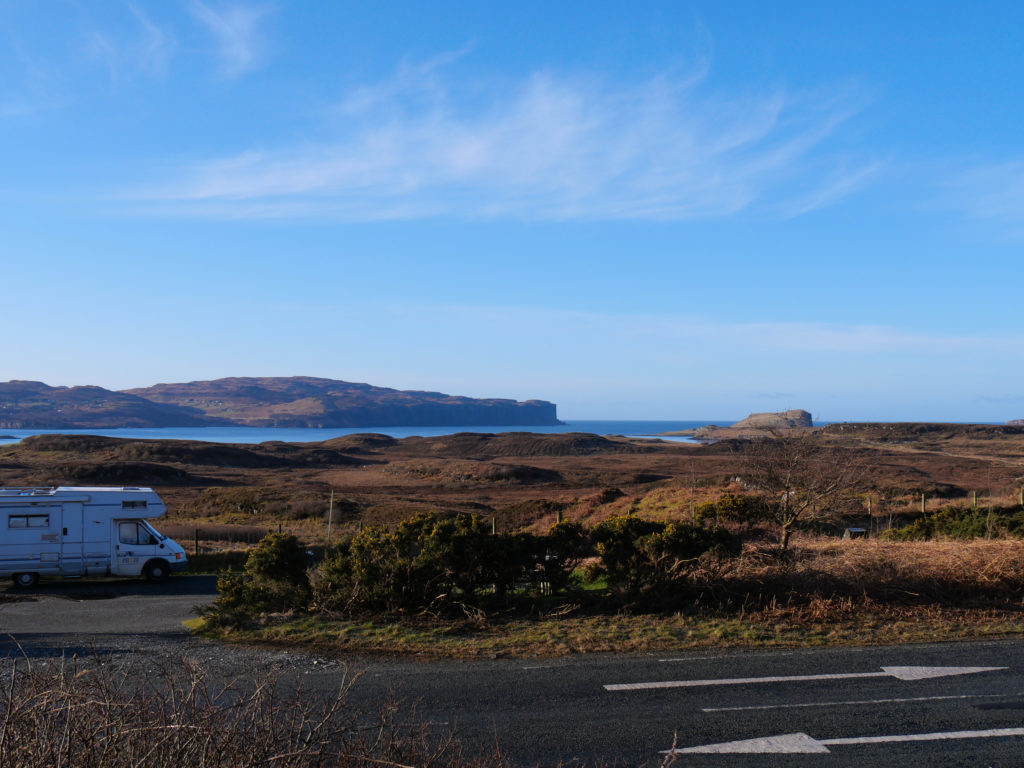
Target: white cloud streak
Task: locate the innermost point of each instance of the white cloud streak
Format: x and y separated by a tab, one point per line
546	147
142	47
993	191
804	338
236	30
835	188
155	46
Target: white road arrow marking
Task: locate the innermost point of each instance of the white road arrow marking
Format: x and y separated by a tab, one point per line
900	673
801	743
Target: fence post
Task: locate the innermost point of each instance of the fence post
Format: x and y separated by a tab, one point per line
494	525
330	518
974	499
280	527
195	551
924	510
558	516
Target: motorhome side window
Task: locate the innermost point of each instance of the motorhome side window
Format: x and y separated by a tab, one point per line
28	521
133	533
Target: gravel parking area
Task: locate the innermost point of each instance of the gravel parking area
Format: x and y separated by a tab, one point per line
126	621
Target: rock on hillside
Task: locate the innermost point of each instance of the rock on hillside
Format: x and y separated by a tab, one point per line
784	420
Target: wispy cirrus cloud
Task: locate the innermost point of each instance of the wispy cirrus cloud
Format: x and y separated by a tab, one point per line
154	45
805	338
87	47
547	146
993	191
33	84
236	28
126	50
835	187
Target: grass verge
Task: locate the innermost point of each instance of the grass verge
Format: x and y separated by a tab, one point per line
815	625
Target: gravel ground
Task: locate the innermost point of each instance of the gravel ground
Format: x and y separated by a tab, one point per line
128	622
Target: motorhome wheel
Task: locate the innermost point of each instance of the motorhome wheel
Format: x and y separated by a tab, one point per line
156	570
26	580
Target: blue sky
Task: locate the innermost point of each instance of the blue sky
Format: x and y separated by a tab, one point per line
634	209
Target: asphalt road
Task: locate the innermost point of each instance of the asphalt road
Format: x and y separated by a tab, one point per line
834	707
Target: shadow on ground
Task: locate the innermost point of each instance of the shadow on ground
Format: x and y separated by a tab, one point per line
100	588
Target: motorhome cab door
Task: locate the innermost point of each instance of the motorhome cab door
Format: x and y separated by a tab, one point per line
135	545
72	546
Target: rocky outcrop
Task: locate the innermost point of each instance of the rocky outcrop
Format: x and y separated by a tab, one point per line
794	419
756	425
297	401
1015	423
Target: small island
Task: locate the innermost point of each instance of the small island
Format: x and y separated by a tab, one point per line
754	425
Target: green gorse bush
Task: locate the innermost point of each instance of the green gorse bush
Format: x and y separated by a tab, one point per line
437	565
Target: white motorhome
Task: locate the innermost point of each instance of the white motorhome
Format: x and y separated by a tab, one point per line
81	531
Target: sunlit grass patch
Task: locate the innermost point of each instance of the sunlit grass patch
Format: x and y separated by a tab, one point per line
527	637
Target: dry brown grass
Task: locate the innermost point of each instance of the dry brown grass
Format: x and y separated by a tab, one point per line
971	573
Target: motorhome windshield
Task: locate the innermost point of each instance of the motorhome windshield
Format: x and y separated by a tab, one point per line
159	536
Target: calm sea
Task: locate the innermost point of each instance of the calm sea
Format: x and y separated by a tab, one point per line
299	435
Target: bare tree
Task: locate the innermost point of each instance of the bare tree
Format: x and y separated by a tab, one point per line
799	477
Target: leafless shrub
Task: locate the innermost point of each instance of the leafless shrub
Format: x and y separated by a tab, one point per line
798	478
84	714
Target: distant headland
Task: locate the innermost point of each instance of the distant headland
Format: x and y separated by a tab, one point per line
295	401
